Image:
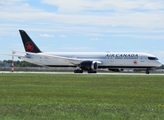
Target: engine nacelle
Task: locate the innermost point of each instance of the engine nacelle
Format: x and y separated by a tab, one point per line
89	65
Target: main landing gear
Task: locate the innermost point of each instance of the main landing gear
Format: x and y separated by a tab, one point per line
81	71
90	71
78	71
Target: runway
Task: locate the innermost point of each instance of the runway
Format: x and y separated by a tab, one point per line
99	73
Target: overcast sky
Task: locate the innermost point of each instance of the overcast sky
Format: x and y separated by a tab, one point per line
84	25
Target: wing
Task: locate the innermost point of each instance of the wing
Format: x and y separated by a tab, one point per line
73	61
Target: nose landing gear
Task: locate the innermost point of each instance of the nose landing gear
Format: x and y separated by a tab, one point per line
147	71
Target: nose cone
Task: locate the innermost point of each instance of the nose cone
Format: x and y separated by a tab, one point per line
155	63
159	64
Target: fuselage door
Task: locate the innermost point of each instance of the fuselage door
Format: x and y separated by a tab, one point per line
144	61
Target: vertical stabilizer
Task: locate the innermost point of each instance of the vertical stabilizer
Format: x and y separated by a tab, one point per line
29	45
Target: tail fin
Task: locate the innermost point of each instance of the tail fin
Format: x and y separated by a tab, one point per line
29	45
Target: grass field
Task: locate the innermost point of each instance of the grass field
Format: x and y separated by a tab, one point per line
81	97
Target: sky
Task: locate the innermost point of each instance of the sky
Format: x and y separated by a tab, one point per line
84	25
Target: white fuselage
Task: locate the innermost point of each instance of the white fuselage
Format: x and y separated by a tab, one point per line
108	59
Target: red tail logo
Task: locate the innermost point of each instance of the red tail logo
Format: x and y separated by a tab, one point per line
29	46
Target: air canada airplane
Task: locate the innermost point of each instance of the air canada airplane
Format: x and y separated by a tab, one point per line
86	61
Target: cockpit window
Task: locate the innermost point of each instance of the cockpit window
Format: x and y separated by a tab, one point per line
152	58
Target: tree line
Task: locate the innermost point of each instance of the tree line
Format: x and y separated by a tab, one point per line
19	63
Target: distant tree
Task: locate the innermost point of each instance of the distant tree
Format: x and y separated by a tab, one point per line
20	63
162	67
7	61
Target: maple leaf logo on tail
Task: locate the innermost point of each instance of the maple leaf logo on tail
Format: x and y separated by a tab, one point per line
29	46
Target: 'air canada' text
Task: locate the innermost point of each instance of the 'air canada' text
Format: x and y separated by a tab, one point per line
122	56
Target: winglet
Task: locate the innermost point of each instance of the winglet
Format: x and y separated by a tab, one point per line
29	45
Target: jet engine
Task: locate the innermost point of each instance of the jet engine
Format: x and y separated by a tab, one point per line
89	65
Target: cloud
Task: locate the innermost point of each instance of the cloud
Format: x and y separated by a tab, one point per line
9	2
95	39
124	13
77	48
117	5
46	35
84	16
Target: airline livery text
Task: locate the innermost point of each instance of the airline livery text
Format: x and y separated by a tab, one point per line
122	56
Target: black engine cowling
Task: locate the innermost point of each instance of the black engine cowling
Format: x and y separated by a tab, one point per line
89	65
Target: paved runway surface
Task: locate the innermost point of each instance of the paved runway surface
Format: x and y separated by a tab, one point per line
83	73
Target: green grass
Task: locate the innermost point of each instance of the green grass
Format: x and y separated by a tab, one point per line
81	97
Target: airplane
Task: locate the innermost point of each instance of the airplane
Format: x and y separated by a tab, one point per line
86	61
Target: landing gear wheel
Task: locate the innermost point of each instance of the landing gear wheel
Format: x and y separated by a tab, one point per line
92	71
78	71
147	71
